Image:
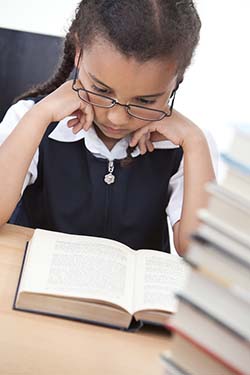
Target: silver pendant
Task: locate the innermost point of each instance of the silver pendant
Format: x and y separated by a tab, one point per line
109	178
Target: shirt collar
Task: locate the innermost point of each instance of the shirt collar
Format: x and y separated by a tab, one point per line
62	133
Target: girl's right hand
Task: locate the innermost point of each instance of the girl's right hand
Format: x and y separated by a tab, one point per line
64	102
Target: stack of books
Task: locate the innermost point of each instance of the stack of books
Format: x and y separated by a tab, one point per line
211	330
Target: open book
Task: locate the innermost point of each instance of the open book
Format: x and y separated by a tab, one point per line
98	280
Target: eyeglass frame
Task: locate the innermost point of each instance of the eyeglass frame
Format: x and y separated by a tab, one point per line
116	102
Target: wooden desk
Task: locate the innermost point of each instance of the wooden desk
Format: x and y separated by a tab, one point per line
31	344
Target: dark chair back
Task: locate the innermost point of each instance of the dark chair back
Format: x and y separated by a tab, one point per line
26	59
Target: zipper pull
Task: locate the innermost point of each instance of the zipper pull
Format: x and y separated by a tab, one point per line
109	178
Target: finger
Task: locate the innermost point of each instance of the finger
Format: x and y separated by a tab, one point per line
82	120
77	128
155	137
72	122
75	113
150	146
140	133
89	117
79	121
78	113
75	117
142	145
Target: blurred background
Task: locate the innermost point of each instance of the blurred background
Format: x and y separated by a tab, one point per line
214	94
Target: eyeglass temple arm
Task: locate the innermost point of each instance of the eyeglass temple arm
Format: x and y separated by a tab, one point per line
176	88
76	68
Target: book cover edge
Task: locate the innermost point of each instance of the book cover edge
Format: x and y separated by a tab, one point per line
133	327
183	298
204	349
201	239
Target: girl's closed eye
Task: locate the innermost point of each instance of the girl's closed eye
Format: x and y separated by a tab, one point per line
106	91
143	101
100	90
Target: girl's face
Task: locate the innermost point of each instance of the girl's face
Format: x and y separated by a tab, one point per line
106	71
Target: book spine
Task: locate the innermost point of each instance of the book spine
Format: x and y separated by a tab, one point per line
205	350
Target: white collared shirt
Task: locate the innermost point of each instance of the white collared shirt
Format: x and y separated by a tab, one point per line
62	133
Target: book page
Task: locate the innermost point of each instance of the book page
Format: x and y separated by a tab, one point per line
158	277
80	267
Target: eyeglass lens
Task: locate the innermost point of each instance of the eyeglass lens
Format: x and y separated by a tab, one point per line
104	102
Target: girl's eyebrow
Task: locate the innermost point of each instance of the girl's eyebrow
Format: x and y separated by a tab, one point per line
153	95
98	81
138	96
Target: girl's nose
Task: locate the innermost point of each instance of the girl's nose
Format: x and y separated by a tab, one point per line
118	115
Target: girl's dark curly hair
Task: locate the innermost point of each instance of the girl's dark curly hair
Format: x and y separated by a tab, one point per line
143	29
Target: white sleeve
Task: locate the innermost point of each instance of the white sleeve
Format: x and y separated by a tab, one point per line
176	182
8	124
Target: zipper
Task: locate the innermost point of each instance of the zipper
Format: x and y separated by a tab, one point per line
109	179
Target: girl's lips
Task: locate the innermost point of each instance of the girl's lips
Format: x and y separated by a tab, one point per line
111	132
110	129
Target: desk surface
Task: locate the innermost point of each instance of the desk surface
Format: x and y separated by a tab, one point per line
32	344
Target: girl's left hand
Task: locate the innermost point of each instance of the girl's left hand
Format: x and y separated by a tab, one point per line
178	129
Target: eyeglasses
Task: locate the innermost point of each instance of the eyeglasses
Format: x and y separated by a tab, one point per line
137	111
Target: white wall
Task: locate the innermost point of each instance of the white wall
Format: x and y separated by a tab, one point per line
215	93
45	17
216	89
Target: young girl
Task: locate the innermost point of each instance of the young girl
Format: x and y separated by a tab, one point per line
105	154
